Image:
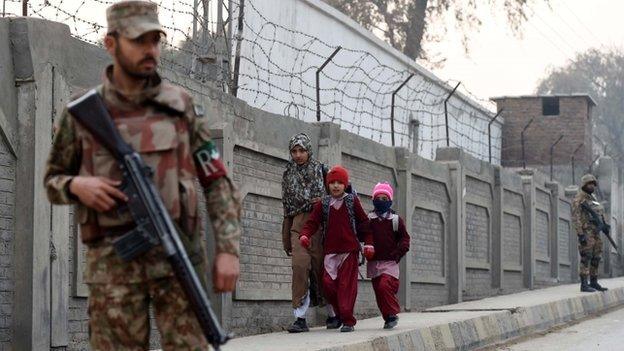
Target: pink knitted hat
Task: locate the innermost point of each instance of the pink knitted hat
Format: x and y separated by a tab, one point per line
383	188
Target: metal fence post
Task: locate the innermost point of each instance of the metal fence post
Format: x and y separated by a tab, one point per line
522	142
318	82
448	141
392	106
552	149
573	164
24	8
239	43
490	132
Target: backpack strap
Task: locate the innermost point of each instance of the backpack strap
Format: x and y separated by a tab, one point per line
325	206
395	223
350	203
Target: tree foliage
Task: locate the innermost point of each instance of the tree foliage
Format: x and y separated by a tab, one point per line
601	75
408	24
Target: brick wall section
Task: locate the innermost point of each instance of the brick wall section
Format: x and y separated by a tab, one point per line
263	169
542	272
477	233
564	240
430	191
512	200
264	266
7	234
257	317
479	189
565	274
574	118
78	317
427	243
512	240
428	231
427	295
365	174
542	200
512	282
541	235
478	284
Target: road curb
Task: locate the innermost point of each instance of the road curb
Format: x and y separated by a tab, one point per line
496	327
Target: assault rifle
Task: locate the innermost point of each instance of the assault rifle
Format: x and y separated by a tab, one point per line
599	222
154	226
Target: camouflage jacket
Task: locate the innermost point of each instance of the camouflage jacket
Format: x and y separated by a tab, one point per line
580	217
161	124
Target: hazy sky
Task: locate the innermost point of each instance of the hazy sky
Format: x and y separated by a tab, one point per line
498	63
501	64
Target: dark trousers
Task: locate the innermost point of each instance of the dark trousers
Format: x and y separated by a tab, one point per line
386	288
342	292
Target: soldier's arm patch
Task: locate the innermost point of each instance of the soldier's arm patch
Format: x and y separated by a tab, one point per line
208	164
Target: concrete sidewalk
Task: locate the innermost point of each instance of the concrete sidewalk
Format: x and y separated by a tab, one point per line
462	326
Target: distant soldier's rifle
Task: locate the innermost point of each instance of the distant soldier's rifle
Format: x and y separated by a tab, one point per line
599	223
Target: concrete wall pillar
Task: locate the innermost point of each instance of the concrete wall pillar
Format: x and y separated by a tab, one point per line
497	230
605	174
528	250
330	151
570	193
403	205
222	135
553	236
32	328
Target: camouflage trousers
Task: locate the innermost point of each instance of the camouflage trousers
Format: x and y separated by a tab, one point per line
591	254
119	316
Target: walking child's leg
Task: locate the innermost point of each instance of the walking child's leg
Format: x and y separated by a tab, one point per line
386	288
330	288
347	289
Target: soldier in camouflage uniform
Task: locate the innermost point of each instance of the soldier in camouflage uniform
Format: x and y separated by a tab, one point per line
303	184
590	243
160	122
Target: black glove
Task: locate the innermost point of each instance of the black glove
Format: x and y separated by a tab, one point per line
607	229
582	239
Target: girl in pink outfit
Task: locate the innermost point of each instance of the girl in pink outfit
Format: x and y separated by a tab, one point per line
391	242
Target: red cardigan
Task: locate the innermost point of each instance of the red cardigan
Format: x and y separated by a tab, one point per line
388	245
339	237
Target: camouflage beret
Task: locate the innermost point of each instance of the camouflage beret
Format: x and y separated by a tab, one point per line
132	19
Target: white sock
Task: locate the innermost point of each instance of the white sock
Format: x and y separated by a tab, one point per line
330	310
300	311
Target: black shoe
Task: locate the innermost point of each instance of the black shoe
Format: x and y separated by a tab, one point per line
593	282
347	329
585	287
391	322
333	323
299	326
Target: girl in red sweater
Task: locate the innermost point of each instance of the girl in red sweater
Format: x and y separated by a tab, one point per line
391	242
343	219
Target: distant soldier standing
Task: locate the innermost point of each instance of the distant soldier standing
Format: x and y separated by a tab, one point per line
161	123
590	244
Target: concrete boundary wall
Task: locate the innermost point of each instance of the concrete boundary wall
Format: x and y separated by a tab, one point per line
475	227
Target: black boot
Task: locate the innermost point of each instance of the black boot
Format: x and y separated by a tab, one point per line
585	287
333	323
299	326
391	322
347	329
593	282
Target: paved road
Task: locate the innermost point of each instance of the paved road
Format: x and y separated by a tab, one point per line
605	333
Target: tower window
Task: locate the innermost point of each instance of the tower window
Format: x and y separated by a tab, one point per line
550	106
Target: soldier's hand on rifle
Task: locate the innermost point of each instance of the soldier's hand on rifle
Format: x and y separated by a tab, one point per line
607	229
582	239
99	193
225	272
